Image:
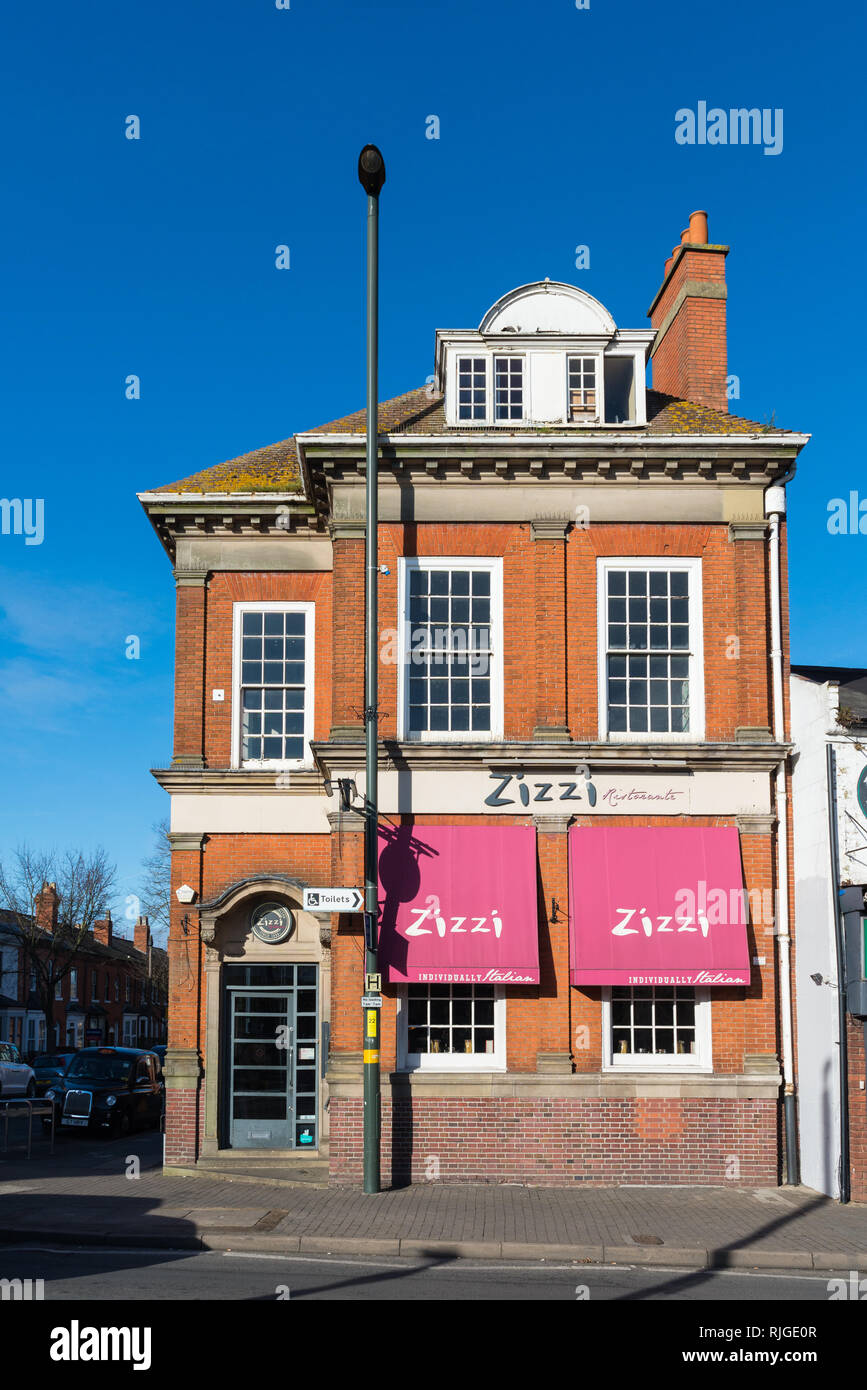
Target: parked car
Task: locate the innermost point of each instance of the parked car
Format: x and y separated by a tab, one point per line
112	1089
48	1066
16	1078
160	1050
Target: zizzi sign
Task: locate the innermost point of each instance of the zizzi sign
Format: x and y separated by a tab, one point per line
647	923
424	914
513	789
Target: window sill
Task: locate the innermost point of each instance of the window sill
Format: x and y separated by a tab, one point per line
635	1065
653	737
444	1067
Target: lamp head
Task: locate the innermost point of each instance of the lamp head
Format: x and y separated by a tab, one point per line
371	170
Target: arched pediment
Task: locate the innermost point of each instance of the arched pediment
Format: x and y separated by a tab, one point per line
548	306
247	890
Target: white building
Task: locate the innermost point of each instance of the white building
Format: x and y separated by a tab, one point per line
829	710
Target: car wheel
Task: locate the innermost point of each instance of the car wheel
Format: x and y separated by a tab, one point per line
31	1090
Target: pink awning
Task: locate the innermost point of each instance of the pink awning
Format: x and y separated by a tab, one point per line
657	906
459	904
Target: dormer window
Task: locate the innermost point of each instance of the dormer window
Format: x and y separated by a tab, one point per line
472	388
582	389
508	388
545	355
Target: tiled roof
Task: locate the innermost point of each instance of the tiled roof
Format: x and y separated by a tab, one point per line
275	468
271	469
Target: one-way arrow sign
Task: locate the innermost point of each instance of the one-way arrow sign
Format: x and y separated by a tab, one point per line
333	899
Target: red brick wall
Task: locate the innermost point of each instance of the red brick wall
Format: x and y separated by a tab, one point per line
190	619
549	601
857	1110
558	1142
226	589
736	672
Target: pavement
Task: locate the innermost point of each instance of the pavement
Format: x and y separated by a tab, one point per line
115	1193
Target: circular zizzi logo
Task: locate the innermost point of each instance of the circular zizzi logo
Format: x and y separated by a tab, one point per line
862	791
272	922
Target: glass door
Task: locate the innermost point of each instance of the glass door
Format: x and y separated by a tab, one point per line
262	1046
272	1073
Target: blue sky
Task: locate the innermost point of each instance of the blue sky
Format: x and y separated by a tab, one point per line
156	257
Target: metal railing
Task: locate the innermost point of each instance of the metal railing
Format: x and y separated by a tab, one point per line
18	1106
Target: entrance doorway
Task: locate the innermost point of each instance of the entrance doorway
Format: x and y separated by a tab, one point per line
271	1026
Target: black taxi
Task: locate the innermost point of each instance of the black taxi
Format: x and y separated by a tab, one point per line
112	1089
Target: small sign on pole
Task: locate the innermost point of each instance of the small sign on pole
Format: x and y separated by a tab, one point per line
333	899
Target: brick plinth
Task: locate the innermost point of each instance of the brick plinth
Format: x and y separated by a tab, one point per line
555	1142
183	1122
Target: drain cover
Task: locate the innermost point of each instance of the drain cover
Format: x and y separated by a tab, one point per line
647	1240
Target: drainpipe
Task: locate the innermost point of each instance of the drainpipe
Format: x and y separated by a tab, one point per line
775	508
843	1059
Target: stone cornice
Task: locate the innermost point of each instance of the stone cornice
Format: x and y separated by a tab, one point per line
608	757
738	458
201	781
344	755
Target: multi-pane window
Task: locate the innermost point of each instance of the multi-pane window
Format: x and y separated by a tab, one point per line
450	652
653	1020
472	388
274	668
94	986
73	985
582	387
508	388
450	1020
650	657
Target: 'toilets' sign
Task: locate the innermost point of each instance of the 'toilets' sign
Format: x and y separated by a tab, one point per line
333	899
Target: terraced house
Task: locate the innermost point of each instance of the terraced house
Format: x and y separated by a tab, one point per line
585	914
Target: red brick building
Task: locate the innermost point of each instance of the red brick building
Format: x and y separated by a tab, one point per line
115	990
583	631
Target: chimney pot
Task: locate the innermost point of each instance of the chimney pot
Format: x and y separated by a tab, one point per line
684	236
698	228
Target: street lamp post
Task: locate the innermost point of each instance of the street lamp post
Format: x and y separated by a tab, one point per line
371	174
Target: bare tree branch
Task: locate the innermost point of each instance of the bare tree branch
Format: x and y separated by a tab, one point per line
156	892
86	887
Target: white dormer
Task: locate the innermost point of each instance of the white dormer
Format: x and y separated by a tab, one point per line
545	354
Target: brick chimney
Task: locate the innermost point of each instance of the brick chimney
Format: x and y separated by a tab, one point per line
46	907
142	935
102	930
689	315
